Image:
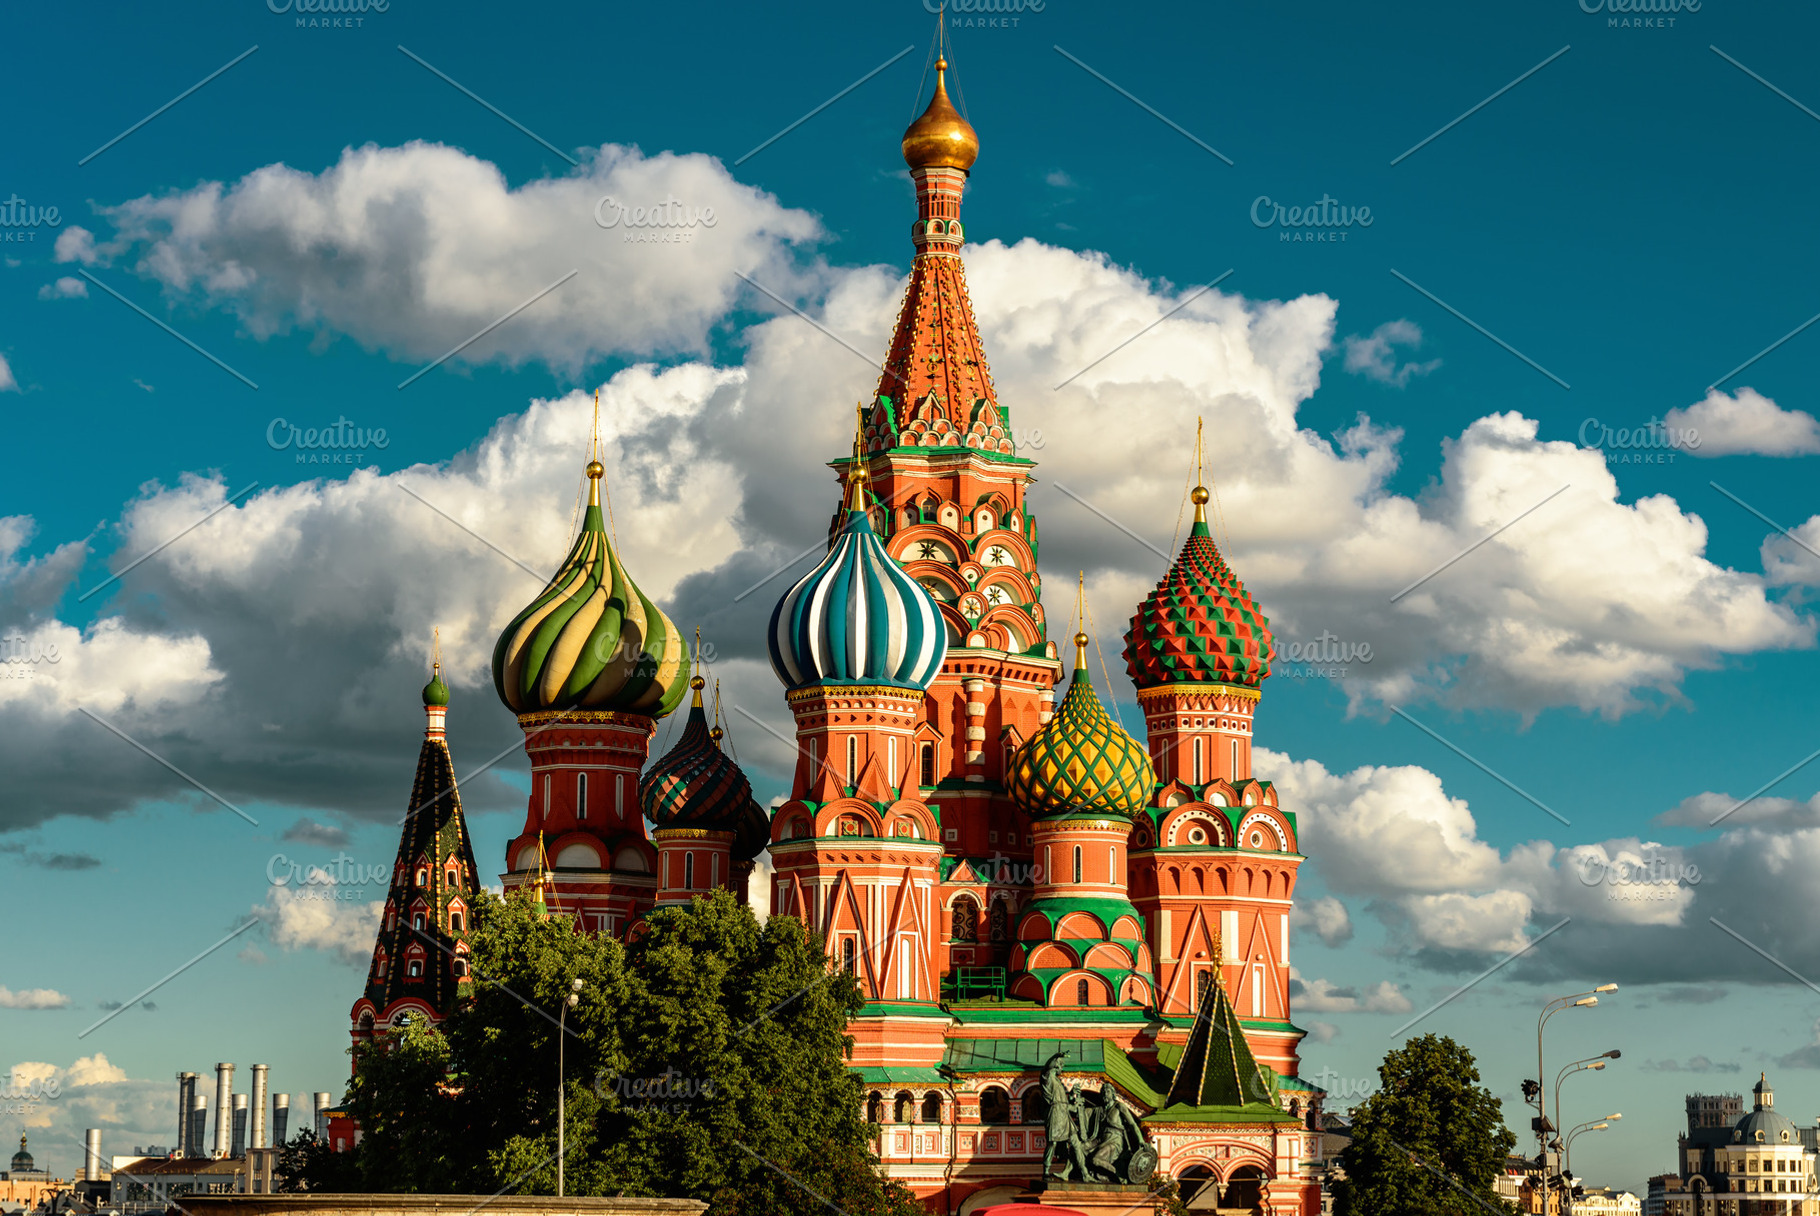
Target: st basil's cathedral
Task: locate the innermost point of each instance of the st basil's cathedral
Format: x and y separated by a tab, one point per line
1015	881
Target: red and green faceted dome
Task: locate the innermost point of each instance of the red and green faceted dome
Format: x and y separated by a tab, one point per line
696	785
1200	625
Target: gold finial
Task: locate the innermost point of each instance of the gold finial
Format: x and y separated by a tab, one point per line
856	473
1200	494
435	650
695	680
716	733
1219	960
941	137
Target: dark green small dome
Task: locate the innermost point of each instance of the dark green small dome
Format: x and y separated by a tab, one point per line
436	692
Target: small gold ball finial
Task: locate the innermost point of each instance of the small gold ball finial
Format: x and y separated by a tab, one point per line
596	470
1199	497
1080	639
941	65
697	683
716	733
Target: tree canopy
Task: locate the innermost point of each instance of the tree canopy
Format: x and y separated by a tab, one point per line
1430	1142
704	1060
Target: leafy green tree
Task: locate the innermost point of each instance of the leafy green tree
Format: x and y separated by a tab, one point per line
308	1163
1430	1142
706	1060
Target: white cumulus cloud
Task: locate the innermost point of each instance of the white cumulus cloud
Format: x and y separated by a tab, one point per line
1745	423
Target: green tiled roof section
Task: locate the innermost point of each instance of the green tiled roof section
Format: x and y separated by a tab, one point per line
891	1076
898	1009
1216	1067
1169	1054
1129	1076
999	1055
1257	1112
1105	909
1030	1013
1299	1086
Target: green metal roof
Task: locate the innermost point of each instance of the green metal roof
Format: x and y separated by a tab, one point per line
893	1076
1007	1055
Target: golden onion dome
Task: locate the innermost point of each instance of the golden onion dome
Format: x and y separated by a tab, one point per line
592	640
941	138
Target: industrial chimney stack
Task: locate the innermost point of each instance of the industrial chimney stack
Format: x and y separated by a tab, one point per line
258	1107
224	1094
322	1118
281	1116
92	1168
186	1098
238	1148
199	1125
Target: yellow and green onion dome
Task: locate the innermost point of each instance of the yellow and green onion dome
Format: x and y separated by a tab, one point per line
695	784
1082	760
1200	625
592	640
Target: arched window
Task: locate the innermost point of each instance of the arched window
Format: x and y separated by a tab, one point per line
1083	994
875	1107
1077	863
995	1105
904	1108
928	765
1199	773
415	971
581	795
417	921
966	920
852	759
849	952
423	877
891	773
1036	1107
1235	759
932	1107
461	966
689	871
455	921
546	795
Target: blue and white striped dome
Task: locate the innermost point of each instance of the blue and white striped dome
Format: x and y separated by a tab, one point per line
857	619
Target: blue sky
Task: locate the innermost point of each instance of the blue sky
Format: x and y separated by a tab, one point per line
1632	217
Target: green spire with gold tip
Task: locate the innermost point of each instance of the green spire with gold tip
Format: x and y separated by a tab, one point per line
436	693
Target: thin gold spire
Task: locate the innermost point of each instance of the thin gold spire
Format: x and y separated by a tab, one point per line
716	732
1200	480
695	680
1080	614
435	650
856	474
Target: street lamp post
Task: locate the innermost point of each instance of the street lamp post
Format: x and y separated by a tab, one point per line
1581	1000
562	1032
1591	1125
1589	1064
